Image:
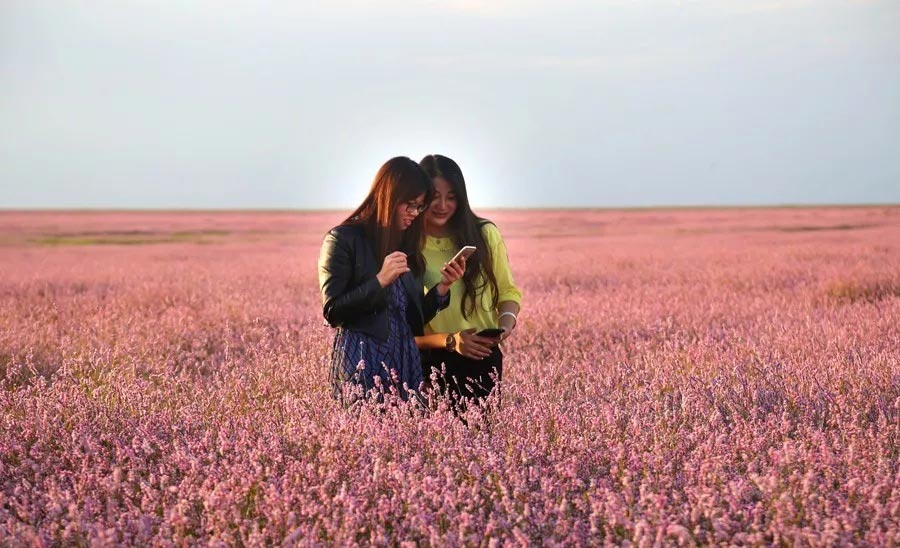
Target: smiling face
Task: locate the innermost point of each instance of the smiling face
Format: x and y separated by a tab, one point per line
443	205
407	212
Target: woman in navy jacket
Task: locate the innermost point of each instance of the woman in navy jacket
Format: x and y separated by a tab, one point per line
370	276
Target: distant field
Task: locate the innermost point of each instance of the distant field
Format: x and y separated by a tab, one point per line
708	376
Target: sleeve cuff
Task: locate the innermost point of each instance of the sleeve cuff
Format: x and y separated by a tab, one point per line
444	301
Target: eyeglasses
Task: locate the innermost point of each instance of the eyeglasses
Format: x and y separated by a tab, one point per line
415	207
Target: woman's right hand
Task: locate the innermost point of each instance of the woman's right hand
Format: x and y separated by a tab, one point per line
394	266
470	345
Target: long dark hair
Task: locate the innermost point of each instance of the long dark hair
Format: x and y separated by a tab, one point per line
398	181
465	229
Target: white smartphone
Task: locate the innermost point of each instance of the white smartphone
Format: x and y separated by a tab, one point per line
466	252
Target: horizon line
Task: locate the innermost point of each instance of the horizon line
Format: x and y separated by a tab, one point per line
497	208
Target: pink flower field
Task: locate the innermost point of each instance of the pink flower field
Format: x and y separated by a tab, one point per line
678	377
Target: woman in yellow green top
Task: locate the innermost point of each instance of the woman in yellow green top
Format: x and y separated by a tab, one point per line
467	365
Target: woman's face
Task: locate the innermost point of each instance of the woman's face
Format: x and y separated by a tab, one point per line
443	204
407	212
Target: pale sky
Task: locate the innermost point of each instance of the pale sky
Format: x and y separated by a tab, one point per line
607	103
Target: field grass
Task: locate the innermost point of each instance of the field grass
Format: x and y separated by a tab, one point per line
678	377
128	237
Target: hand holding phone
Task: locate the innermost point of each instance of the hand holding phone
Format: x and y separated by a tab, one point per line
471	345
454	268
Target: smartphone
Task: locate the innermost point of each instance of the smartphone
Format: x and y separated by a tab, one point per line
491	333
466	252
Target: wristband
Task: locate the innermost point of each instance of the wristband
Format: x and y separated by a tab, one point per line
515	319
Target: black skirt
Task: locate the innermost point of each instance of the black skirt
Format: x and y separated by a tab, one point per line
462	379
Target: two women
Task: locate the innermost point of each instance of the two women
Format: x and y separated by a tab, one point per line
467	366
381	312
370	276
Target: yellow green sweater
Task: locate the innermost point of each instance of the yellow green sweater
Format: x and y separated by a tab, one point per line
450	320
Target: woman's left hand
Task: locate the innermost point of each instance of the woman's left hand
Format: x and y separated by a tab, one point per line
451	272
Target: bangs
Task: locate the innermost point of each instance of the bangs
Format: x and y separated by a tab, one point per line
414	185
